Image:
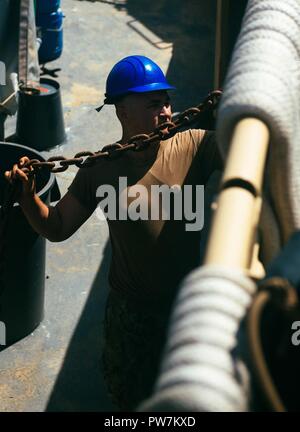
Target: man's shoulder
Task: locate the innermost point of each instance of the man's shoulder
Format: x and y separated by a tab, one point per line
188	134
188	141
88	179
200	144
103	168
192	136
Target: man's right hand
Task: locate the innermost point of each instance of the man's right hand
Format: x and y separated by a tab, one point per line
28	181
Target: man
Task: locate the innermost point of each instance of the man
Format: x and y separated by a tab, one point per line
150	256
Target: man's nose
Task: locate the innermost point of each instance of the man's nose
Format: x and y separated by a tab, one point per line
165	112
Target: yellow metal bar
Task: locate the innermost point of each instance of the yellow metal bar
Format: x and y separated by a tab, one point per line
236	217
248	151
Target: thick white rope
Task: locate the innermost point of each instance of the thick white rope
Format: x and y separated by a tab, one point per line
203	367
263	81
202	370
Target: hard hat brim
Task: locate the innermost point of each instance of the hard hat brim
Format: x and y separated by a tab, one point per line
151	87
139	89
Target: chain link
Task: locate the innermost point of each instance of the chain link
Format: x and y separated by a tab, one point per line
85	159
139	142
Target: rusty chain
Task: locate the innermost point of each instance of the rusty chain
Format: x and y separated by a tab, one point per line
139	142
84	159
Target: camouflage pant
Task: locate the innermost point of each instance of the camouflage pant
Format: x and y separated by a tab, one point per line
134	338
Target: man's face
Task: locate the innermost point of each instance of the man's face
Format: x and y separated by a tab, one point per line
143	112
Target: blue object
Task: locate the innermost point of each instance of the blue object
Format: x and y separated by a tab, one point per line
134	74
50	30
46	6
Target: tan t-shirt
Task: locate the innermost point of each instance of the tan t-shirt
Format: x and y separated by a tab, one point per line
150	257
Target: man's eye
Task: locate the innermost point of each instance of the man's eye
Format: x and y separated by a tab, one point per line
158	105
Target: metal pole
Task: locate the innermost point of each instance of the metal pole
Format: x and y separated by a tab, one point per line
236	217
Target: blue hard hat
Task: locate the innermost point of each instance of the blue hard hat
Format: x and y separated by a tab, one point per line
134	74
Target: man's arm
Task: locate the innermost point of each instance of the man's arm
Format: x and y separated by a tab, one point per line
55	223
211	152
